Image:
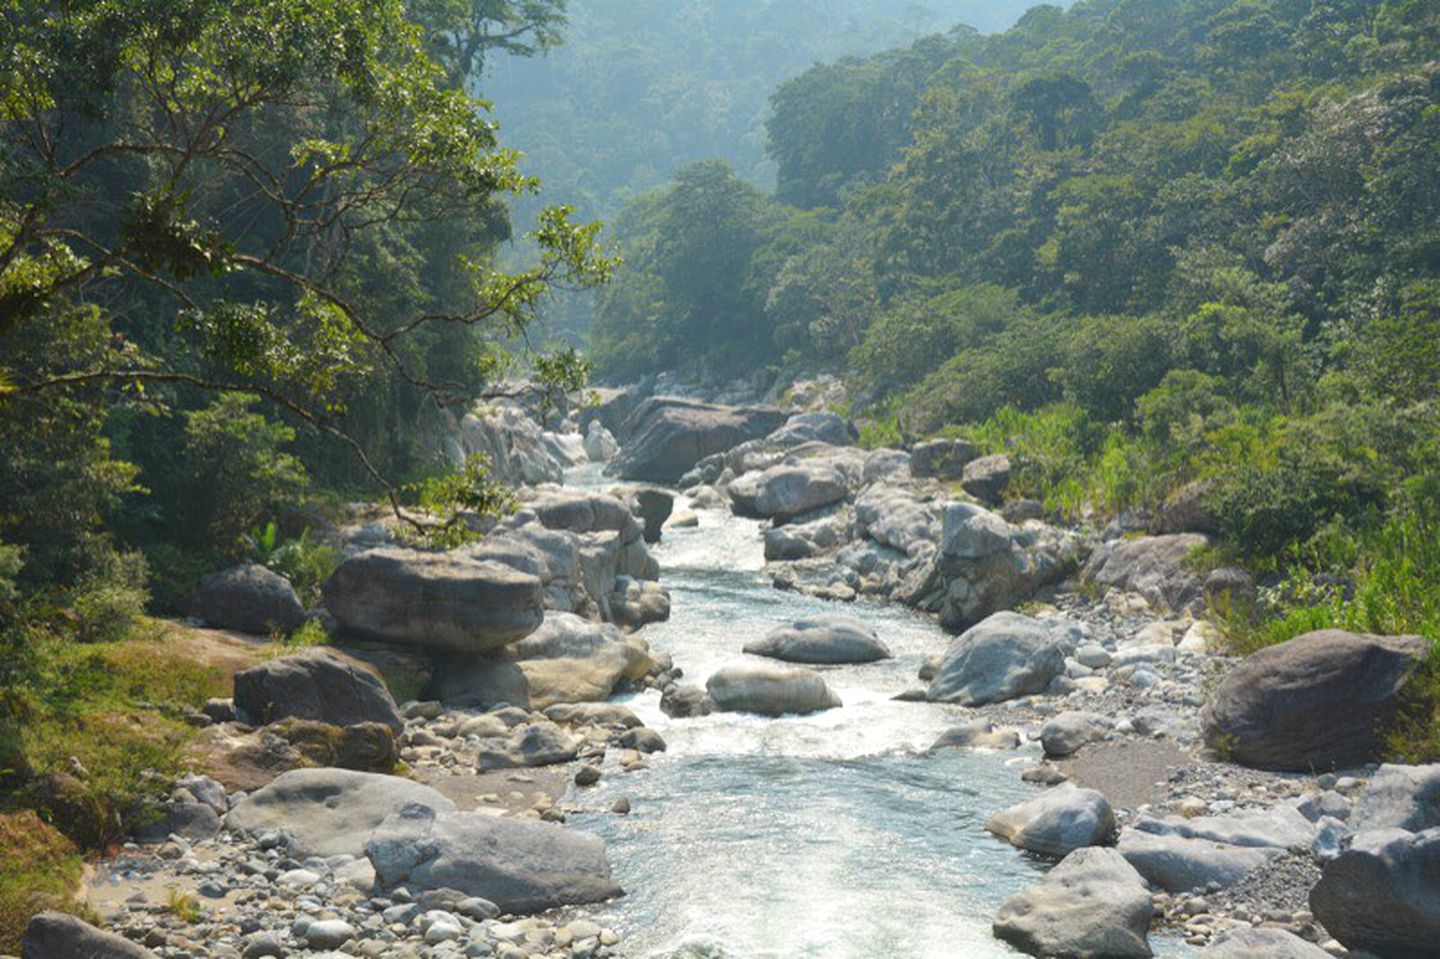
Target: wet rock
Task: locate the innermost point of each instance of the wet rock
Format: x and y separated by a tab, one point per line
822	639
328	812
57	935
642	740
1383	894
313	685
680	701
1318	701
1005	656
600	444
770	690
520	865
1092	904
1057	822
446	602
637	603
977	734
654	506
251	599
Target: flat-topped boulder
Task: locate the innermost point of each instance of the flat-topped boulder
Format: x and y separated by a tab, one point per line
770	690
1004	657
567	660
313	685
823	639
328	812
666	436
439	601
522	866
1093	903
1318	701
250	599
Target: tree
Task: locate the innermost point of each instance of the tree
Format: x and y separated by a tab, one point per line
238	170
462	34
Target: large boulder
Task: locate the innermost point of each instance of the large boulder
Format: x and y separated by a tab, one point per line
600	443
1318	701
654	506
892	516
1399	797
251	599
1178	863
1262	943
566	660
666	436
1065	733
1156	567
1004	657
313	685
987	478
785	491
945	459
824	639
513	443
769	690
534	744
1057	822
1382	896
58	935
1093	904
520	865
448	602
328	812
977	734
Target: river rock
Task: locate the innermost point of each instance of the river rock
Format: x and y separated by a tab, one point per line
1179	864
822	639
682	701
667	436
1156	567
1093	904
1399	797
328	812
945	459
600	444
1065	733
1057	822
513	444
58	935
977	734
535	744
1262	944
653	505
522	866
566	660
636	603
787	490
250	598
987	478
313	685
593	714
1004	657
448	602
1383	894
894	517
769	690
1318	701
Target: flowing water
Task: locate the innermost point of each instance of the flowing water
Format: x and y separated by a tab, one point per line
829	835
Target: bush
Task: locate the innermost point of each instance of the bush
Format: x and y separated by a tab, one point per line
39	869
110	599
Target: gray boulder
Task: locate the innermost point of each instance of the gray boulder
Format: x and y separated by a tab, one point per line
58	935
769	690
945	459
251	599
448	602
313	685
893	517
328	812
682	701
566	660
829	428
1262	944
522	866
1093	904
513	443
823	639
1399	797
1004	657
1318	701
790	489
1383	894
1065	733
1179	864
987	478
666	436
635	603
600	444
1057	822
1156	567
188	820
535	744
654	506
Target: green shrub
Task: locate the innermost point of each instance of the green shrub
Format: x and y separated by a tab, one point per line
39	869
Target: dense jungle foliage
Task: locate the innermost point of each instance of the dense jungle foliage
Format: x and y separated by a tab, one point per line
1139	244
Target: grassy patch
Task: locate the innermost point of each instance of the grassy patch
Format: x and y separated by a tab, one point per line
39	869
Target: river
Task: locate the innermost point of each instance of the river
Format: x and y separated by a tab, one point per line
831	835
